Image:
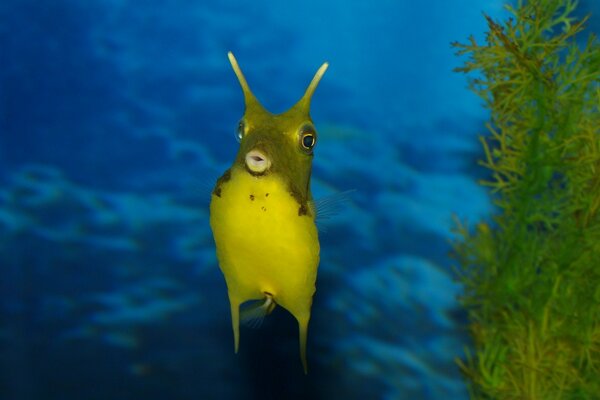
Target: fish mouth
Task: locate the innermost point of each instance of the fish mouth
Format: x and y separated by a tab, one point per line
257	162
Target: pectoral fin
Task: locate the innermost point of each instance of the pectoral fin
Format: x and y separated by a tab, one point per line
329	206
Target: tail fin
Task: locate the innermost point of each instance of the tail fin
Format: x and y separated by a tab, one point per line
254	314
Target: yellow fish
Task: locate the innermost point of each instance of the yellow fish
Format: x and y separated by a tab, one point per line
262	215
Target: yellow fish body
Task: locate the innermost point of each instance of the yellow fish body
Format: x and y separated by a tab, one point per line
261	212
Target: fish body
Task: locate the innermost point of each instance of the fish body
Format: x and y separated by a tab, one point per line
261	212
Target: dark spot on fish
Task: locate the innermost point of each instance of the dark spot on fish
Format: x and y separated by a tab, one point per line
303	210
296	195
224	178
252	197
266	194
264	209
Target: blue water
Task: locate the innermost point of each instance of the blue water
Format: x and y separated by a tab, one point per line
115	118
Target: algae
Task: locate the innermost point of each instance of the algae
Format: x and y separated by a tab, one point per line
531	273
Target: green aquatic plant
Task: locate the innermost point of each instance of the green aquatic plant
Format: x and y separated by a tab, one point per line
532	273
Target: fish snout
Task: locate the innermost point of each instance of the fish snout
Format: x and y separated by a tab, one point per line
257	162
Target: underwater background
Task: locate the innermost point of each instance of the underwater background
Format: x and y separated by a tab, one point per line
116	117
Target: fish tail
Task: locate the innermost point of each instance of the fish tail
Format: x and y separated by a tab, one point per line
254	314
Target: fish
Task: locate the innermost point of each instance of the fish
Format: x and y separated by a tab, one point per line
262	214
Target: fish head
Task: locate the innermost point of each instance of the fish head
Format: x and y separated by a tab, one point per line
277	144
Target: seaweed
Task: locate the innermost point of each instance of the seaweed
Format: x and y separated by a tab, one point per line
531	273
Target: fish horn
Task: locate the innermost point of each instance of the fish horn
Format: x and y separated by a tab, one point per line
304	102
249	98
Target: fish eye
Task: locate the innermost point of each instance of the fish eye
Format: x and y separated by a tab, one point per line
240	131
308	139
